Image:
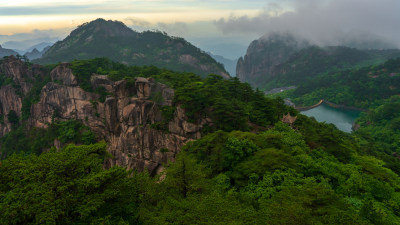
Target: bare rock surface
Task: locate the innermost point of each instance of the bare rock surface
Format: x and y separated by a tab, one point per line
124	119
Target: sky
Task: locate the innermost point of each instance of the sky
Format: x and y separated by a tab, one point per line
224	27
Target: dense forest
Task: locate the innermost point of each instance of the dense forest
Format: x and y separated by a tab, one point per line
116	41
363	88
311	63
248	167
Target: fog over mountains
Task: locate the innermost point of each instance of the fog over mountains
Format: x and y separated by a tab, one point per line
353	23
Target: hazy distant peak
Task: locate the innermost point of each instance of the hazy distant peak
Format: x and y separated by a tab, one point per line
108	28
116	41
286	38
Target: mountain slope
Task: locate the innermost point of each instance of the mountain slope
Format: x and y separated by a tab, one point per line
280	61
145	114
363	88
290	170
264	55
229	64
40	47
6	52
35	53
114	40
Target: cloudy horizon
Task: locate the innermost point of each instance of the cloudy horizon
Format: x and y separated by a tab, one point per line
210	24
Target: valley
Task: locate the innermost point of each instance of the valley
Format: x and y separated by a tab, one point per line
123	124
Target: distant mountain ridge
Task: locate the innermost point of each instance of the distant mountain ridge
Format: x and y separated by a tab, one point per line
7	52
40	47
284	60
114	40
35	53
229	64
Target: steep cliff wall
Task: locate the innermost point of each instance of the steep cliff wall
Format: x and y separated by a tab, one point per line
16	81
264	54
124	120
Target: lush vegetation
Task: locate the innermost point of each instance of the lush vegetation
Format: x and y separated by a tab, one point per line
274	177
37	140
307	65
66	187
248	168
363	88
114	40
313	174
381	127
227	102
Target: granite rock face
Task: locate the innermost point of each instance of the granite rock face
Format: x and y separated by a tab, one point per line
264	55
123	120
16	79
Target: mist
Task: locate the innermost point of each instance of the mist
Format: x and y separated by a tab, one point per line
354	23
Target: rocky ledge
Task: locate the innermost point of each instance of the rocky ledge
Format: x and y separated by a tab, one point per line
124	120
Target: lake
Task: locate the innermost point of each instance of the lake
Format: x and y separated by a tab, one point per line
343	119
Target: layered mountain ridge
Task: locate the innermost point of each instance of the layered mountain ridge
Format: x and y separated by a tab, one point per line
7	52
283	60
116	41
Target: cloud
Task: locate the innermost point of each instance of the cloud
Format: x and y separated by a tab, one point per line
325	22
137	22
23	41
174	29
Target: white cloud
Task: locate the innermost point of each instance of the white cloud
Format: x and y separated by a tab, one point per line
325	21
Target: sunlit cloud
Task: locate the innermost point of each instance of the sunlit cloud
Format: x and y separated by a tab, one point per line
24	15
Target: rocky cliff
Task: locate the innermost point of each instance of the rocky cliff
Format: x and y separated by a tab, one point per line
264	54
124	120
16	81
284	60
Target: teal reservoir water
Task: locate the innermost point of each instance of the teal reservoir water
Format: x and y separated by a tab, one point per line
343	119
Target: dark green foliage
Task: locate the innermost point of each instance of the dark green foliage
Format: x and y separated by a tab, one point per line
102	92
380	126
33	96
167	113
37	140
12	117
312	62
4	80
274	177
156	97
66	187
114	40
307	173
227	102
363	88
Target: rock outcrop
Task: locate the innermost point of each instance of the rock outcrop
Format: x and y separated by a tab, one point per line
264	54
16	78
124	119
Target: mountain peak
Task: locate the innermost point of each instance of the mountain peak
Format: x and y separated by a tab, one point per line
104	28
114	40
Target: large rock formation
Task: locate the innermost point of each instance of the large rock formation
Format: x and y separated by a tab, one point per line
124	120
282	60
16	81
264	54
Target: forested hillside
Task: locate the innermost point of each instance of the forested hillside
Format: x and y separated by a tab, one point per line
282	60
116	41
363	88
246	167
